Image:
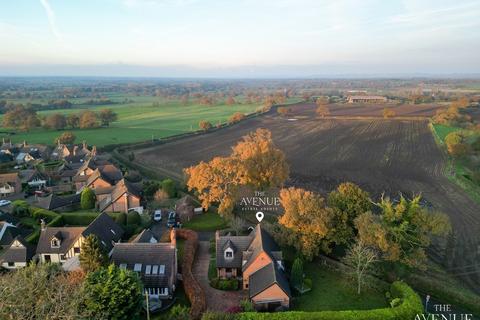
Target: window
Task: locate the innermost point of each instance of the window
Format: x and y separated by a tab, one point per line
76	250
63	257
55	243
163	291
162	269
113	231
123	266
155	269
228	253
137	267
11	264
47	258
148	269
104	244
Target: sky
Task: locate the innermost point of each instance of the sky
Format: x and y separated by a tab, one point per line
239	38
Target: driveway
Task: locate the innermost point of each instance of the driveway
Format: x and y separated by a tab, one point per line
217	300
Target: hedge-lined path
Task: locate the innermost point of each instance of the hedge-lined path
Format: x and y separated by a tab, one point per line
217	300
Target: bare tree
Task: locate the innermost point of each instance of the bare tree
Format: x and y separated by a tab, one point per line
361	258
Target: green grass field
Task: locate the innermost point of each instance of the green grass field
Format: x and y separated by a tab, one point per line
206	222
332	291
138	121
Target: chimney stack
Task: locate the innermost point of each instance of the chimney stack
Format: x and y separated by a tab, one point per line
173	238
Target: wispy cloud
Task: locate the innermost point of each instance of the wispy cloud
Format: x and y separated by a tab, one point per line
51	18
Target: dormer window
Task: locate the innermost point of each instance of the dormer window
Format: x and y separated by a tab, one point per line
228	253
55	243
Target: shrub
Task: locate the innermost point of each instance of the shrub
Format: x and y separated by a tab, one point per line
247	305
168	185
218	316
87	199
224	284
119	217
20	208
179	312
133	218
79	218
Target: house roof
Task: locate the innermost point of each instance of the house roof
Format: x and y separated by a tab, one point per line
7	217
148	254
145	236
241	243
69	236
107	230
265	277
119	189
23	252
52	201
262	242
10	178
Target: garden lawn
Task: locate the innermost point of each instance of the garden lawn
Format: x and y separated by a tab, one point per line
138	121
206	222
332	291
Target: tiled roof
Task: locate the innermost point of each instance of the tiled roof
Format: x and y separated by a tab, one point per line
148	254
69	236
22	253
107	230
52	201
265	277
241	244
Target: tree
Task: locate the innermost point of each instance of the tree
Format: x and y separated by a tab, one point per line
73	121
349	201
66	138
296	275
55	121
310	221
236	117
284	111
402	231
451	116
237	224
168	185
361	258
41	291
388	113
88	119
230	101
92	256
205	125
87	199
21	118
255	162
107	116
113	293
323	110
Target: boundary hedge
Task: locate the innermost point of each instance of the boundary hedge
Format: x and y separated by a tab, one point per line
194	291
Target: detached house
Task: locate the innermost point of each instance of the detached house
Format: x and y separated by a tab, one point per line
122	197
18	254
156	264
257	260
10	184
59	244
100	177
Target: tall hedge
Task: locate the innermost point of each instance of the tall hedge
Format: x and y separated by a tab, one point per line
87	199
410	306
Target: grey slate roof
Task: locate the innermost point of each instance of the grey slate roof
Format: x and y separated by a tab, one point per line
145	236
265	278
262	242
241	243
22	253
10	233
148	254
119	190
53	201
68	234
106	229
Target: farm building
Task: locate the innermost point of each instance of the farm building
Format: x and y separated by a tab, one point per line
366	99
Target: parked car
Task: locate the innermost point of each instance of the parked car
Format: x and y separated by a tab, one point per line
157	215
5	202
172	219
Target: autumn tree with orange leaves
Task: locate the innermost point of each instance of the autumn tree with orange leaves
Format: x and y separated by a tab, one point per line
255	162
309	220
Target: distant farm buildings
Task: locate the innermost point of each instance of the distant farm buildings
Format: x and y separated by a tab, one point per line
366	99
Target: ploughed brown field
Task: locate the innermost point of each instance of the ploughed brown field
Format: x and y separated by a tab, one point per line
382	156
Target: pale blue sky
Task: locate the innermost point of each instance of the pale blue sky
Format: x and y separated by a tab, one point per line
215	36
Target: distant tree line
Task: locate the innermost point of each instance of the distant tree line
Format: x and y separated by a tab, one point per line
25	119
